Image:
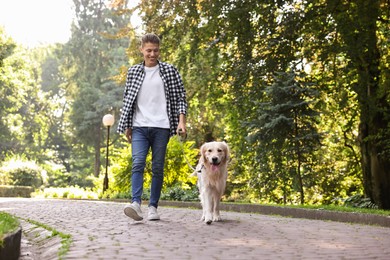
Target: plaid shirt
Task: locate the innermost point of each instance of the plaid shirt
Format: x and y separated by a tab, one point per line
174	92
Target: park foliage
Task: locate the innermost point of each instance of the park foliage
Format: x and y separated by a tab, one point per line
298	89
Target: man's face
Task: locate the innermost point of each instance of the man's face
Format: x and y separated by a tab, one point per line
151	52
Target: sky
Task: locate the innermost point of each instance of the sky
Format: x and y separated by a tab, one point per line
35	22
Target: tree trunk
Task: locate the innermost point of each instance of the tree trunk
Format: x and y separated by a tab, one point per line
97	153
372	137
381	179
300	180
375	163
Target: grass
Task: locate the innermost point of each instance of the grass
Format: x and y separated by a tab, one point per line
66	239
335	208
8	224
345	209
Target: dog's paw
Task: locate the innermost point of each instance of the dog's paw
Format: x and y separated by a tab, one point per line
217	218
208	219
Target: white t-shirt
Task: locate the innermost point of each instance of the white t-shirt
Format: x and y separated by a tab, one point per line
151	104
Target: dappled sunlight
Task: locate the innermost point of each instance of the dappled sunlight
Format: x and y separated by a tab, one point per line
245	242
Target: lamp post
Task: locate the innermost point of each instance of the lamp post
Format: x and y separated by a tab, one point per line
108	121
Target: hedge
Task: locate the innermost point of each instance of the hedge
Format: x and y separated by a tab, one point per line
16	191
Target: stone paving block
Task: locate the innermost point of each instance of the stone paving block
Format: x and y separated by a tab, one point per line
100	230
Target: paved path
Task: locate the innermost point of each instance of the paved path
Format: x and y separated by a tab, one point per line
100	230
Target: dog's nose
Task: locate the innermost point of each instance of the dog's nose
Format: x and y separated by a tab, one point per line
215	159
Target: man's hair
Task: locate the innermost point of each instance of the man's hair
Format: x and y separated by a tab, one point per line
150	37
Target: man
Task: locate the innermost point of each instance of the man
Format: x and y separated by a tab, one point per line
154	109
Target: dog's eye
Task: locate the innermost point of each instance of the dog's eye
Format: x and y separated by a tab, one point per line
210	150
220	150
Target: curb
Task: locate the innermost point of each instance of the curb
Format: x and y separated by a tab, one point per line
316	214
43	244
11	247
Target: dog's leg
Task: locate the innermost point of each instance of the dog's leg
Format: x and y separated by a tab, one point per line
218	196
202	202
201	194
208	207
216	215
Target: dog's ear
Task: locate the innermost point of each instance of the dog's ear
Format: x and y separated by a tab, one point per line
226	151
203	150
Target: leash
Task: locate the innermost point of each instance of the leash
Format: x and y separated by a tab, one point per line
182	140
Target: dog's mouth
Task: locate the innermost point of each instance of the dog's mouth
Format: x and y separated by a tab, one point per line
215	166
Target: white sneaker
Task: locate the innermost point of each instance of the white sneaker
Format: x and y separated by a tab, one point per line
152	214
134	211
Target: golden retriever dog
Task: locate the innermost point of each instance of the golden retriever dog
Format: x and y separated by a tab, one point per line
212	175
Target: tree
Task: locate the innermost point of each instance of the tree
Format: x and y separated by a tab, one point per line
286	127
359	23
95	54
7	94
22	126
54	86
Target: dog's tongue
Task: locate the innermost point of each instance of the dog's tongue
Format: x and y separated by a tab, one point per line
214	168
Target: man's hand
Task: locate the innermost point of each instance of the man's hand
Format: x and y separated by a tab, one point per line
181	128
128	135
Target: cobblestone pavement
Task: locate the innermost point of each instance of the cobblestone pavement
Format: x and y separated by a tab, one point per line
100	230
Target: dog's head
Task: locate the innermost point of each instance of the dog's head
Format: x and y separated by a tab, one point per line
215	154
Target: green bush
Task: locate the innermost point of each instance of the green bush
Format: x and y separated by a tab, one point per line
19	172
73	192
176	193
4	177
180	156
15	191
26	176
179	194
359	201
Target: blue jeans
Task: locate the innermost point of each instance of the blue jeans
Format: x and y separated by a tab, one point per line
142	139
